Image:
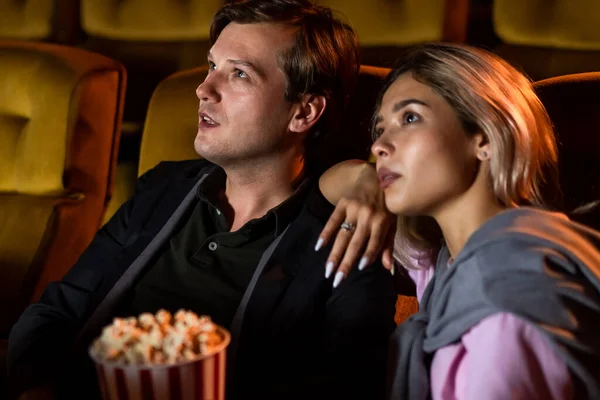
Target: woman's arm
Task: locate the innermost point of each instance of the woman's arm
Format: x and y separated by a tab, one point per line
347	178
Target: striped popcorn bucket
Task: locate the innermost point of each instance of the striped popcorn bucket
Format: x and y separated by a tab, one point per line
199	379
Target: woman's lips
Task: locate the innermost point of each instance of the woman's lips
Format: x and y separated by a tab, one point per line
386	177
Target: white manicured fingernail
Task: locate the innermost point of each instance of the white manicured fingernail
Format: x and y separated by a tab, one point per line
329	269
338	278
319	244
363	263
392	270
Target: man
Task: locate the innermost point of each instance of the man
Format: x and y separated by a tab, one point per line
232	235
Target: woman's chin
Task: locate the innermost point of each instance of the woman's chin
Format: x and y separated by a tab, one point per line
395	206
399	207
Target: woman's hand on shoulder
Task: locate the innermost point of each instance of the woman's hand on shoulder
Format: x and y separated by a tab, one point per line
360	224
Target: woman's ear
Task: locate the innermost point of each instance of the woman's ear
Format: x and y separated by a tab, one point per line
307	113
482	147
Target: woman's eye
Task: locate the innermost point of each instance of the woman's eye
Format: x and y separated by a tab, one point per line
378	132
409	118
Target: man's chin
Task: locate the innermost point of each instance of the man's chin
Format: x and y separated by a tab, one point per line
214	157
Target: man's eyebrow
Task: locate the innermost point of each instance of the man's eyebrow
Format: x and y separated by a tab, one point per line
248	64
401	104
244	63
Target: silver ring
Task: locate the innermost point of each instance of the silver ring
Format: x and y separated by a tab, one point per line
348	226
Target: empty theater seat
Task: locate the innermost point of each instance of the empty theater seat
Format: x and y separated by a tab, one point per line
549	38
60	114
142	20
27	19
387	27
42	20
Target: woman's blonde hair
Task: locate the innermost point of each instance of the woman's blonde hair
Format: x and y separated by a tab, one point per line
491	97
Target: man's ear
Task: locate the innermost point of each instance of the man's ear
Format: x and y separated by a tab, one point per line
307	113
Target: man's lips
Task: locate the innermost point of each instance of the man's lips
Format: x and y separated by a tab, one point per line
387	177
206	120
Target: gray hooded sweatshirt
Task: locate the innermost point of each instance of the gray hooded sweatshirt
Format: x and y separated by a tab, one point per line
534	264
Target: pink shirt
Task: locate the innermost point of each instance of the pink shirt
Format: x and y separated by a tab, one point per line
502	357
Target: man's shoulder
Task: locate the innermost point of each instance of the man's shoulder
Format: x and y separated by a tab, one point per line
317	206
169	182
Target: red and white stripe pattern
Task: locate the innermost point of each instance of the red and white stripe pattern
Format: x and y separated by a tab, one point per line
198	380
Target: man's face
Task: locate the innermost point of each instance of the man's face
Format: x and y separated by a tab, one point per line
243	114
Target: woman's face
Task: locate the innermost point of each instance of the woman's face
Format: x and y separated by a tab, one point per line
425	160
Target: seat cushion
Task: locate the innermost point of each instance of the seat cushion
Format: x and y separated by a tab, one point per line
405	307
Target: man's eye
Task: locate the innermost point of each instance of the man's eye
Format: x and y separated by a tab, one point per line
211	66
240	74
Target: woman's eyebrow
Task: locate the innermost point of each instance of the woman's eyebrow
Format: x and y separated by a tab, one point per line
401	104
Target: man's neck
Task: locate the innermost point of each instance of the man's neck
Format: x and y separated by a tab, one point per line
251	191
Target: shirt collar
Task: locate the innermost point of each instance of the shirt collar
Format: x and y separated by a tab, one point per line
208	192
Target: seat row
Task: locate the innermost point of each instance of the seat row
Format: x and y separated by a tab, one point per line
155	39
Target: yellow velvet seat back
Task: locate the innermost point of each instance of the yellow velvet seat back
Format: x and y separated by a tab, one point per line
26	19
565	24
549	38
172	120
38	92
60	114
157	20
400	22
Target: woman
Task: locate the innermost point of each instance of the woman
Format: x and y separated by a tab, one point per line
509	293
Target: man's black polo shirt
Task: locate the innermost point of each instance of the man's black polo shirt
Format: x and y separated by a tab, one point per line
206	268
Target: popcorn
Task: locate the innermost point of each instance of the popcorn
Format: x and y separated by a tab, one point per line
157	339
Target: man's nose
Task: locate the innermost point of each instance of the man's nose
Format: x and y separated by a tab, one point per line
209	89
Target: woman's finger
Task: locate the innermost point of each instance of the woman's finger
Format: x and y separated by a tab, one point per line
333	224
377	240
387	256
337	253
356	243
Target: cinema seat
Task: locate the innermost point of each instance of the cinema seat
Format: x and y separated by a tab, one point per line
60	116
549	38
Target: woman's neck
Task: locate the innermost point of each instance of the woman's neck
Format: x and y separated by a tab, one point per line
464	216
